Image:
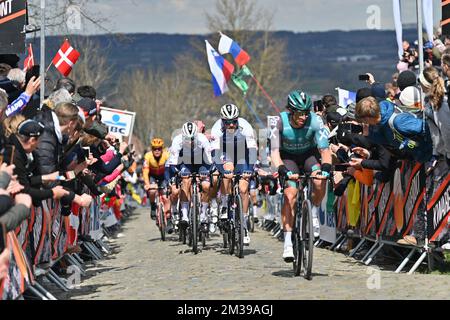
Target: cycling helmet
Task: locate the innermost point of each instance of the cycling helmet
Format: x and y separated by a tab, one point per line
229	112
157	143
189	130
200	125
299	101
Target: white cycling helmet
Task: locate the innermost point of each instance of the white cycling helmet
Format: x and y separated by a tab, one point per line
190	130
229	112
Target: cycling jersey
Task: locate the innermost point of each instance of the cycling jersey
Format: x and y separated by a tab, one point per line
189	157
182	152
297	141
154	167
238	146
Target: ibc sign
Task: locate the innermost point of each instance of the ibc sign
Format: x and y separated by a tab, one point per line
119	122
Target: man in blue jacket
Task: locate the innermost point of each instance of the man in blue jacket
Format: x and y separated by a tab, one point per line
404	134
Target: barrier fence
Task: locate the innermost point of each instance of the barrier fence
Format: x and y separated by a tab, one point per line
412	202
44	238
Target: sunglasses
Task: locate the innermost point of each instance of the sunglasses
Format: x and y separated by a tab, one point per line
228	122
157	149
300	113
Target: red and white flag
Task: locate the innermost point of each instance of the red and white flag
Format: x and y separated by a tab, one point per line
28	63
66	57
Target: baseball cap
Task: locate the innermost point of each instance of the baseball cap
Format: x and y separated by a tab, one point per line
30	128
88	105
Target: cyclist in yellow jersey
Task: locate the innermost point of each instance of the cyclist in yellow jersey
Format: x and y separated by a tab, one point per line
153	171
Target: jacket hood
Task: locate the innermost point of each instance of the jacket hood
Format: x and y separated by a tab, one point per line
386	110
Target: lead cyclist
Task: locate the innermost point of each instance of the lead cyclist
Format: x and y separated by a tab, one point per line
300	143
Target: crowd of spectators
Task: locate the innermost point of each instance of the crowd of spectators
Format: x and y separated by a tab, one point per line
407	118
59	150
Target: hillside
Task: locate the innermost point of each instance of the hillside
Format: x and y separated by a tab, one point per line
321	60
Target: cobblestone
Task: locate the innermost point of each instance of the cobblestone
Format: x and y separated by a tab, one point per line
143	267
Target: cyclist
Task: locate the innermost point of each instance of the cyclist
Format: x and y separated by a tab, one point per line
300	142
191	152
153	171
234	151
214	184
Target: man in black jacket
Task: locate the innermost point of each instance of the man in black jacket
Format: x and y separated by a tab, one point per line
25	142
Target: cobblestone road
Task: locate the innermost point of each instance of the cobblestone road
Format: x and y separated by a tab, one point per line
143	267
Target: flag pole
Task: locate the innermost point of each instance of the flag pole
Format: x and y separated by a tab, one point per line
266	94
42	63
261	124
48	68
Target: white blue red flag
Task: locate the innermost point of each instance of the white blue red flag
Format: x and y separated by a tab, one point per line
228	45
220	68
346	97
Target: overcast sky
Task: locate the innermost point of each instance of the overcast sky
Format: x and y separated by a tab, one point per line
188	16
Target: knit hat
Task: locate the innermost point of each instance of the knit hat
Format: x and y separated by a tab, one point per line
406	79
410	99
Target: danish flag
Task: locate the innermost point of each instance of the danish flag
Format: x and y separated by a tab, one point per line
66	57
28	63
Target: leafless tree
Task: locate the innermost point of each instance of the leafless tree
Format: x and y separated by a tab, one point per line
57	15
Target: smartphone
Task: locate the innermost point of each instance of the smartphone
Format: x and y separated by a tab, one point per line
13	150
70	175
86	152
341	167
2	237
8	151
363	77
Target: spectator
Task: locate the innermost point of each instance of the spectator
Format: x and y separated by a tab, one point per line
17	78
57	123
25	139
87	92
406	135
89	108
67	84
14	206
411	101
437	112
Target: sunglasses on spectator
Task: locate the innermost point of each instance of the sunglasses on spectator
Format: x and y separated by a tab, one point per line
228	122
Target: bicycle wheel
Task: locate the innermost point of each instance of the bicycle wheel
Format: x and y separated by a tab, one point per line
162	224
251	219
194	223
307	240
231	231
296	242
239	227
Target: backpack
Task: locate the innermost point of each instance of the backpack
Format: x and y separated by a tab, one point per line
404	141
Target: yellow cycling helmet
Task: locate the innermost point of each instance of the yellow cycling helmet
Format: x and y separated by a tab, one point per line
157	143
